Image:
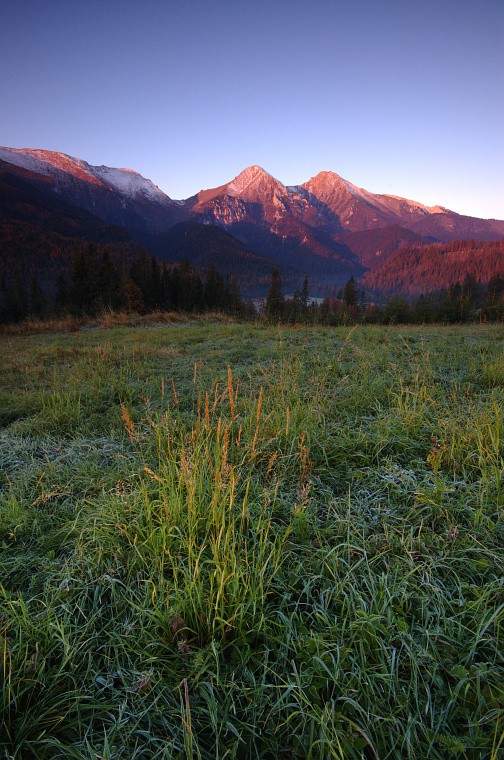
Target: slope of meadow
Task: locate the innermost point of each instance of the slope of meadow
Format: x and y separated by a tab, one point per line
224	540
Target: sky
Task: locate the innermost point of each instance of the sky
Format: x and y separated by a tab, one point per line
397	96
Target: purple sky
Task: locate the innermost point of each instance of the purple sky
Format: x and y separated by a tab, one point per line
398	96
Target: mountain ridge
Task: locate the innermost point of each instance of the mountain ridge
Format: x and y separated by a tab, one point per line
326	227
32	158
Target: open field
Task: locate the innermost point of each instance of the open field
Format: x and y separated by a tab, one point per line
223	540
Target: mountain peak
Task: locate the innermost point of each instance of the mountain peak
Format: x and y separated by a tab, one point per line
254	182
254	169
325	176
330	181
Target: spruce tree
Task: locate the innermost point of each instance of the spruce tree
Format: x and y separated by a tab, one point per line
303	296
62	300
14	298
157	283
38	303
107	283
274	299
141	275
131	297
215	289
350	293
234	297
172	288
191	288
84	286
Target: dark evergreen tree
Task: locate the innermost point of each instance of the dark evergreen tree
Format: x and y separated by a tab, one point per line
422	310
493	304
131	297
249	310
303	296
156	284
141	275
216	297
191	288
165	304
274	299
396	311
84	286
14	297
38	303
453	304
234	303
108	283
62	299
495	290
3	291
292	308
296	310
350	293
172	289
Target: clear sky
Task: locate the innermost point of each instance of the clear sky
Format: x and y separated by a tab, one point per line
398	96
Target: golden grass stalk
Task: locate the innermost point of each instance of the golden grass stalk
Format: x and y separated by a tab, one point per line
128	422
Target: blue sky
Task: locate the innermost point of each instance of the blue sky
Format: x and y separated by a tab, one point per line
397	96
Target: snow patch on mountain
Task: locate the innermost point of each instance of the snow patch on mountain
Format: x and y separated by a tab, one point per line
49	163
129	182
18	157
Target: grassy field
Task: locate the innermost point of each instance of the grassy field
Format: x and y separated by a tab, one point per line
224	541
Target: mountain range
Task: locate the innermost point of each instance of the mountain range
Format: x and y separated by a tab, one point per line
326	227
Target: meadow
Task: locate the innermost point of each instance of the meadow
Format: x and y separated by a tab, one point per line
226	540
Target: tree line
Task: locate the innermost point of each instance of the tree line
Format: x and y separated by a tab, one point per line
98	282
460	302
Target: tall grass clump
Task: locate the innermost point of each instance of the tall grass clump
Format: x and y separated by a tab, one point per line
206	524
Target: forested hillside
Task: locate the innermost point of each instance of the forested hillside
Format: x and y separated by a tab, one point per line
416	270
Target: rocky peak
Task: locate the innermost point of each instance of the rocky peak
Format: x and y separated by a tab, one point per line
255	185
326	184
325	178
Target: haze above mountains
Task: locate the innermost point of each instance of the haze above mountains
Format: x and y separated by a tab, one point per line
326	227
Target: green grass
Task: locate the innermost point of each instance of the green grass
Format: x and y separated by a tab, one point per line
238	541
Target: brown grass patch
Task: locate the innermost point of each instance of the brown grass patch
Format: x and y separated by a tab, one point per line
110	319
34	326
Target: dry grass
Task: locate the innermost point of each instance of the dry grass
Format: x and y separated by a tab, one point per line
35	326
109	319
